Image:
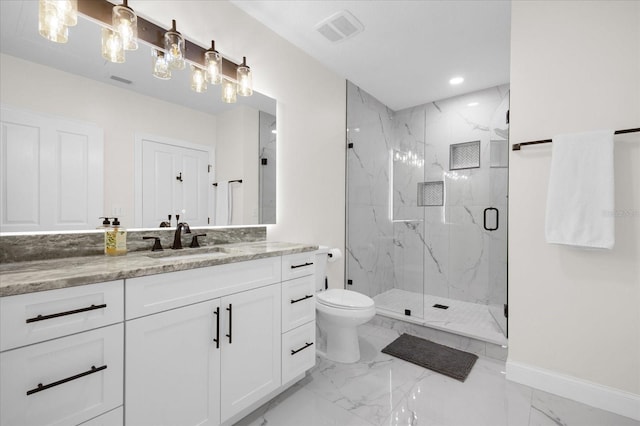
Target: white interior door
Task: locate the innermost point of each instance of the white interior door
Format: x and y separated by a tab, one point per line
51	172
174	181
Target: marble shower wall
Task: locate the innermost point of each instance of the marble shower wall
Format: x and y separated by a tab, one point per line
443	251
370	254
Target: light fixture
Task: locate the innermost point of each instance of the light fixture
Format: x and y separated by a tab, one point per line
456	80
228	91
125	21
198	80
213	65
55	17
174	45
160	65
120	33
112	48
245	86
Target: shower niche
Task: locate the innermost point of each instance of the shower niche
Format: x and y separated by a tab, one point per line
427	210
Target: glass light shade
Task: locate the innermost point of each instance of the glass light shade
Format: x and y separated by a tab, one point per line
228	91
50	24
245	85
125	22
112	48
67	11
160	65
213	66
198	80
174	45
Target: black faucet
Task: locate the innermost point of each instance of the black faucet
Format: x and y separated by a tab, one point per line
177	241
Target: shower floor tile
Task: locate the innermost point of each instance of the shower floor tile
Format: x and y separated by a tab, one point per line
464	318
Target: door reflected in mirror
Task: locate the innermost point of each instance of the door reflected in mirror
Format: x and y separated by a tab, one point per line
71	82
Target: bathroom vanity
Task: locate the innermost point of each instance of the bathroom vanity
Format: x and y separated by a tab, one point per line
200	337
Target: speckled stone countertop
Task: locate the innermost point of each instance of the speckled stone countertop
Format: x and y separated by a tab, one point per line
28	277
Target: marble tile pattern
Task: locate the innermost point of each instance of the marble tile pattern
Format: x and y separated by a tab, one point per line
20	248
380	390
443	251
468	319
369	251
41	275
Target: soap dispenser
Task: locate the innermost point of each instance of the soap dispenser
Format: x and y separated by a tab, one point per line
115	239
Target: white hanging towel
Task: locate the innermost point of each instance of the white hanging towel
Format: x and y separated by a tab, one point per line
580	199
235	203
222	204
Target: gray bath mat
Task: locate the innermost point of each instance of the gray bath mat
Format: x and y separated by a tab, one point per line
441	359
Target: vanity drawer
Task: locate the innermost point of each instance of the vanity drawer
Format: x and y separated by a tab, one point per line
156	293
298	265
62	312
298	302
298	351
82	377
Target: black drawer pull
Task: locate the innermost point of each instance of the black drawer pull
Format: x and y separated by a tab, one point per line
62	314
306	345
301	266
308	296
217	339
42	387
230	319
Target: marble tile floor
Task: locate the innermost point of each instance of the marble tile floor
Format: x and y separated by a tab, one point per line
464	318
381	390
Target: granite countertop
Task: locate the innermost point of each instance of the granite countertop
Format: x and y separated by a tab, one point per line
28	277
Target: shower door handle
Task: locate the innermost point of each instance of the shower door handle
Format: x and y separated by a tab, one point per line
497	219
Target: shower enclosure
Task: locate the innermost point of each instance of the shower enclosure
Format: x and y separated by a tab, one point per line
427	210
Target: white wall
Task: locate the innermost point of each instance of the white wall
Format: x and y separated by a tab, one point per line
575	66
121	113
311	117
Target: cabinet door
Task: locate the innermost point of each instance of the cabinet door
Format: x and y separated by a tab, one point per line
250	365
173	367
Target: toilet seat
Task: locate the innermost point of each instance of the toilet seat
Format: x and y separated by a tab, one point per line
344	299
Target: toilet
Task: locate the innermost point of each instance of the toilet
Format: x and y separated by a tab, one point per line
339	312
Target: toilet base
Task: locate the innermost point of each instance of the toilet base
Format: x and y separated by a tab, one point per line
343	345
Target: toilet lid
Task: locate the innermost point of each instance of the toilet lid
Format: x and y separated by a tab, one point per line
345	299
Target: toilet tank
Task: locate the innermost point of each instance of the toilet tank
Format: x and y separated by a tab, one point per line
321	267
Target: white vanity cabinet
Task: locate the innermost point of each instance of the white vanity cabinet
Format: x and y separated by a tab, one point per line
211	352
62	355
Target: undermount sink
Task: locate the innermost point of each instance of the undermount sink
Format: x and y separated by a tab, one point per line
189	254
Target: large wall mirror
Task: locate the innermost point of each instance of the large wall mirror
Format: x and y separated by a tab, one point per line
165	149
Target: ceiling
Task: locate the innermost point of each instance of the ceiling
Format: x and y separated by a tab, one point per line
408	51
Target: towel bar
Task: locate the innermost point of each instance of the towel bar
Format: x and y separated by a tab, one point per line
517	146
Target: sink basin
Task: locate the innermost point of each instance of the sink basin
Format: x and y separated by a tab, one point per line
191	254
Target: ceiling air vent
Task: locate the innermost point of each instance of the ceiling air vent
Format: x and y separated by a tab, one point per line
339	26
120	79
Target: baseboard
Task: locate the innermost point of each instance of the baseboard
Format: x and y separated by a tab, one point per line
606	398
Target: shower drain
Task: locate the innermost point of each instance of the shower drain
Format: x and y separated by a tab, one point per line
439	306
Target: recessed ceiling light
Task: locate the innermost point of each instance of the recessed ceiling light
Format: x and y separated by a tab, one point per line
456	80
472	104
